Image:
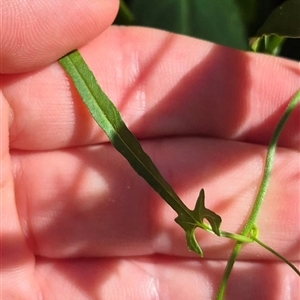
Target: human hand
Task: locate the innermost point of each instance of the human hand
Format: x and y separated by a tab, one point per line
78	223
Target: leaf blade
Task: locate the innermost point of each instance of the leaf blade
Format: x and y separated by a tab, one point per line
109	119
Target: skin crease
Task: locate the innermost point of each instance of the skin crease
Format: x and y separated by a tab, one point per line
77	222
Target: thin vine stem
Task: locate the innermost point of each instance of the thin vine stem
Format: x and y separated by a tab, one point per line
250	224
277	254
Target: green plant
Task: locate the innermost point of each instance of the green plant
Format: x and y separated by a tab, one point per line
268	26
109	119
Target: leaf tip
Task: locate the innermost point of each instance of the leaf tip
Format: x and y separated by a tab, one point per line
192	242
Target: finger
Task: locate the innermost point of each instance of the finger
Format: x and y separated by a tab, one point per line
89	202
17	261
164	85
36	33
163	278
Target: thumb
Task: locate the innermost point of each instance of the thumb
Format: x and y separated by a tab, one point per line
36	33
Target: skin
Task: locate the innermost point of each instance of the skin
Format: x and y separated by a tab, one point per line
77	222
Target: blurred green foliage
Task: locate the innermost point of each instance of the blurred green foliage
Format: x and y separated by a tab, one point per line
268	26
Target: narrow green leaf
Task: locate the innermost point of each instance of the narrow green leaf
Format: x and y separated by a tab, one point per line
109	119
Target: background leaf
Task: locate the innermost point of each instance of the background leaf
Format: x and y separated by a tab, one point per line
209	20
218	21
255	12
125	15
283	21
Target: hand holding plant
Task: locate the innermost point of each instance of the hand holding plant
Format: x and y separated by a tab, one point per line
83	220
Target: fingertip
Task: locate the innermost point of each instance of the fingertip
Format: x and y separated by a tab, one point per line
36	33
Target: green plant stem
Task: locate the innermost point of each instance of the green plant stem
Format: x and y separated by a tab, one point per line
237	237
250	224
277	254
